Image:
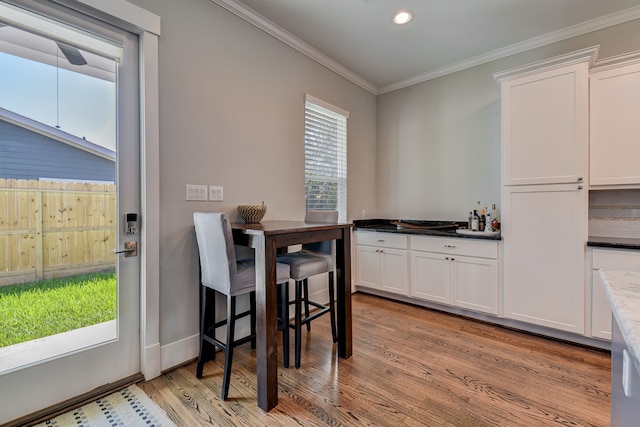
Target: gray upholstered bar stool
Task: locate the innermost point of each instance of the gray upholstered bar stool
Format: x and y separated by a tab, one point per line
311	260
221	272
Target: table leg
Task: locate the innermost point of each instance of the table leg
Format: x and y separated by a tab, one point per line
343	270
266	323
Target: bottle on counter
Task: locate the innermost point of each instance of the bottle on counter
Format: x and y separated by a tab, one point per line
488	228
475	222
495	223
483	220
470	220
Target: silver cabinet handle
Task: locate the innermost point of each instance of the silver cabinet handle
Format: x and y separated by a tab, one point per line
579	179
450	246
579	187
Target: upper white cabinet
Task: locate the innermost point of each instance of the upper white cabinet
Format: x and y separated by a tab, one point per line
545	113
615	123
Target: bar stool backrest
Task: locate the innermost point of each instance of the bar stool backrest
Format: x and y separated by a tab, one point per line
321	217
217	251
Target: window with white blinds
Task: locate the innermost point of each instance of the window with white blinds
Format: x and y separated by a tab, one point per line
325	156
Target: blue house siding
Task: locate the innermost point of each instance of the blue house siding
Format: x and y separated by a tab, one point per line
28	155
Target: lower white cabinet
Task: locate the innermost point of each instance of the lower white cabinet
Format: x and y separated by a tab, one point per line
607	259
544	229
382	261
458	272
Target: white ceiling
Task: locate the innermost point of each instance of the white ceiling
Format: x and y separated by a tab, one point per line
358	39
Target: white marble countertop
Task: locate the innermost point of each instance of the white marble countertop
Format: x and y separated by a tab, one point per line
623	292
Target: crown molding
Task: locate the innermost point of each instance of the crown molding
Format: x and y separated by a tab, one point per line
290	40
587	55
616	61
536	42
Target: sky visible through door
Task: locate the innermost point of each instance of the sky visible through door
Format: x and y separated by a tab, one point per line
40	83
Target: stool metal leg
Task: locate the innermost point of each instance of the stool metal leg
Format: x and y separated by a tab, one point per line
298	323
252	308
305	283
332	309
284	315
228	356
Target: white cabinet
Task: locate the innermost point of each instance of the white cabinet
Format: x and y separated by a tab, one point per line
607	259
474	284
459	272
382	261
545	122
615	124
544	232
545	141
430	276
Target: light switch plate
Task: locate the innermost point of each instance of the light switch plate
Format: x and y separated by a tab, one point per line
196	192
215	193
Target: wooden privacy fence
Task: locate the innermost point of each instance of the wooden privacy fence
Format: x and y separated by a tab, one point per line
50	229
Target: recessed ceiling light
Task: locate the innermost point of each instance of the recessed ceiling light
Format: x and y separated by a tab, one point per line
403	17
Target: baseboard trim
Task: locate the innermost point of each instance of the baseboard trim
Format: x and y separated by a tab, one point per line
179	352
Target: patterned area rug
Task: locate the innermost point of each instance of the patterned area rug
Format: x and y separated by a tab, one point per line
129	407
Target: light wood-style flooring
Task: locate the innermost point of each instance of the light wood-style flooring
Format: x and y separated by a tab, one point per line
410	367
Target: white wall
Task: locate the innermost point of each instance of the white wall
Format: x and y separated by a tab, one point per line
438	148
232	114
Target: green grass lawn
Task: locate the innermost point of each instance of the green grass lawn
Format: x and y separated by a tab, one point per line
39	309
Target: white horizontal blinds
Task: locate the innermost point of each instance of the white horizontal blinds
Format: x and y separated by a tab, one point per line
325	153
54	30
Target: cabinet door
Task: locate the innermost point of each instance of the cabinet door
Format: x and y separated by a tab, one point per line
615	126
393	270
430	277
545	126
474	284
600	309
367	258
607	259
544	233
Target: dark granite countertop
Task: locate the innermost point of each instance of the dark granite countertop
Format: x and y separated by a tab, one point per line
437	228
614	242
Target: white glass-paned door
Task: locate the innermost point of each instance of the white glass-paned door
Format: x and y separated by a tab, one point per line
69	174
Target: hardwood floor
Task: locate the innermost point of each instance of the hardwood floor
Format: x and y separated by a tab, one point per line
410	366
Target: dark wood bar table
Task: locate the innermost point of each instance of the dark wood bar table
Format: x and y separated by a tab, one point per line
266	238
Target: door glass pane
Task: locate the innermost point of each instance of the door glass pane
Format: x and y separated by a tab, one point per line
58	287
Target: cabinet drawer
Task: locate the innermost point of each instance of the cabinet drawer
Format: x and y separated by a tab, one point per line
386	240
467	247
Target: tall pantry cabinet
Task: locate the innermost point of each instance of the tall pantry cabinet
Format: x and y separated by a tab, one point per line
545	137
